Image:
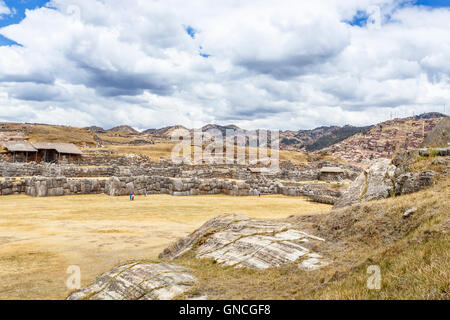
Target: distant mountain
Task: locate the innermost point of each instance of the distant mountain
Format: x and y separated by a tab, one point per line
334	136
94	129
166	131
318	138
384	139
222	129
306	140
124	128
429	115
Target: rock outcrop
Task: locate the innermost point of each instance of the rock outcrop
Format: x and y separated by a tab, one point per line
413	181
235	240
232	240
386	178
138	281
373	183
440	135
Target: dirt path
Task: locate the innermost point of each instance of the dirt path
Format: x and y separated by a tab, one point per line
41	237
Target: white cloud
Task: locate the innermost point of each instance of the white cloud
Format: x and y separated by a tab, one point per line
3	9
296	64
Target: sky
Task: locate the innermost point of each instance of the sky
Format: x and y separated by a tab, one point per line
285	64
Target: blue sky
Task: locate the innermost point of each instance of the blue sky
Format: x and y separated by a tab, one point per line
433	3
360	19
17	8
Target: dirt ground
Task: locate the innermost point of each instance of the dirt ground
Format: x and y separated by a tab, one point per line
41	237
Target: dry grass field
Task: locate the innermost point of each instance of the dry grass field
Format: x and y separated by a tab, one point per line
153	151
49	133
41	237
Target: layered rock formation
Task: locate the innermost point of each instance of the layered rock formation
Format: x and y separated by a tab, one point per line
386	178
235	240
138	281
231	240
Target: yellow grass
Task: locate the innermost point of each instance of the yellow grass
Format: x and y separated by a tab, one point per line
47	133
413	255
41	237
153	151
164	150
116	139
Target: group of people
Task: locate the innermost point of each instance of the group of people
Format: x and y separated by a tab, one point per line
132	195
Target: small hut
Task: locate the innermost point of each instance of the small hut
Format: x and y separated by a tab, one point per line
57	152
331	174
21	151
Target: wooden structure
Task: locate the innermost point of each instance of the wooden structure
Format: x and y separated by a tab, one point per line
21	151
43	152
57	152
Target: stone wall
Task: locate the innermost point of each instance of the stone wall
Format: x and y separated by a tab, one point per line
44	186
116	186
141	185
8	169
119	186
31	169
165	178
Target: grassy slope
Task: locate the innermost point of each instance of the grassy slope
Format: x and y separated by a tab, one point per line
334	137
413	255
48	133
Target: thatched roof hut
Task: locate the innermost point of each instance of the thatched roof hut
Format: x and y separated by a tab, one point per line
19	146
67	148
43	151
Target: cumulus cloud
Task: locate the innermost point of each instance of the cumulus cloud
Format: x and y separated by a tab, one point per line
4	9
293	65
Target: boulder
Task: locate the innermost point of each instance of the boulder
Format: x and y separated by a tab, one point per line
129	188
238	241
113	186
414	181
384	179
177	184
41	187
409	212
138	281
373	183
379	183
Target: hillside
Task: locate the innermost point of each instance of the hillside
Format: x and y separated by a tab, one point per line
124	128
439	136
334	136
165	131
384	139
47	133
95	129
222	129
317	139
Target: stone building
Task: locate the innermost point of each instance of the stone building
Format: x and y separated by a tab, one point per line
331	174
